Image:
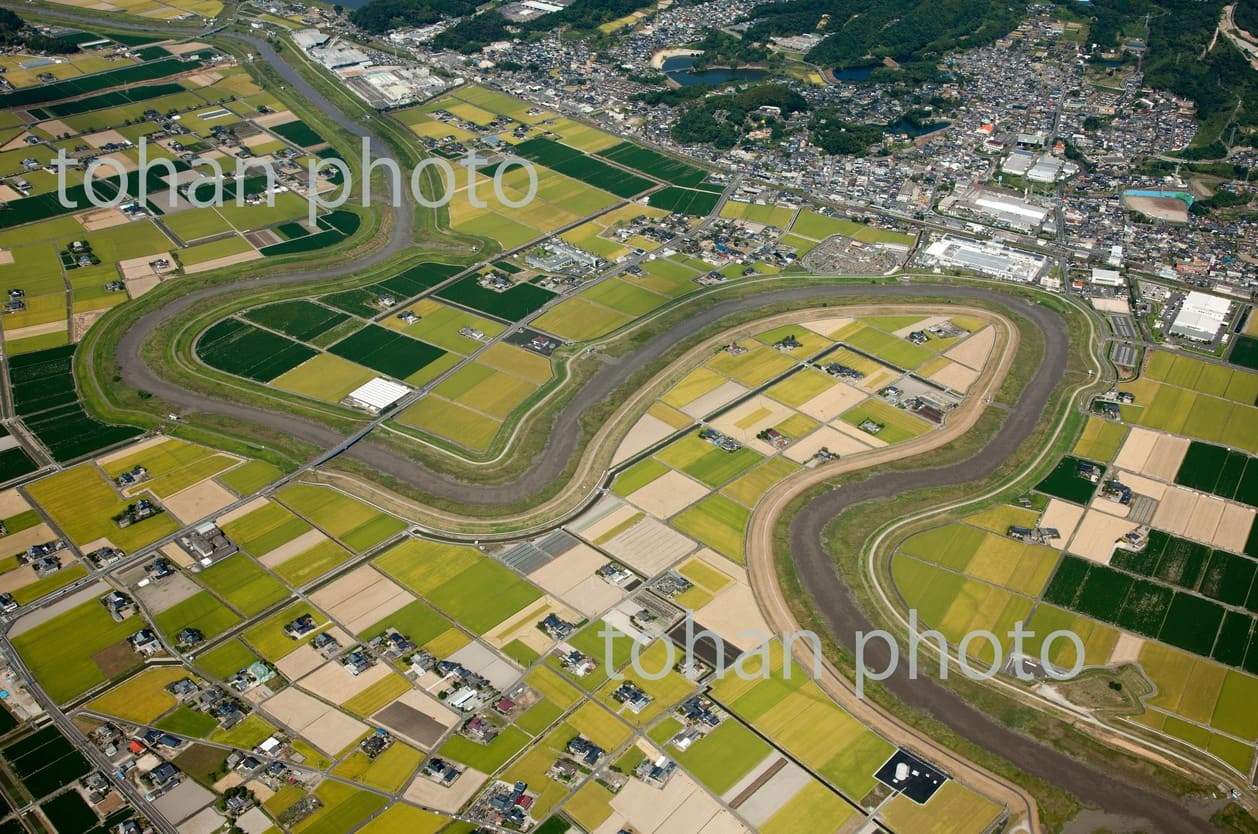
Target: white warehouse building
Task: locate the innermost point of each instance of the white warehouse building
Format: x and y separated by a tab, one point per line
1201	317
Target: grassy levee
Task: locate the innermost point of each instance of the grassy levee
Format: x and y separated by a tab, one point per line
848	538
534	428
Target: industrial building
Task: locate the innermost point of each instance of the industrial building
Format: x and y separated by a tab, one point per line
376	395
1201	317
986	256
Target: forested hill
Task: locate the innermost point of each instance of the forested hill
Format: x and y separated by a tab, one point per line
1177	58
863	32
380	16
15	32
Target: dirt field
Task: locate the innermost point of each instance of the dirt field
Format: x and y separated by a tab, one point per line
333	682
827	436
219	263
1152	453
94	221
679	806
571	578
668	494
361	598
1126	650
973	351
824	327
198	501
1159	208
773	794
645	432
522	626
418	718
323	726
649	546
12	503
1062	515
862	436
714	399
300	662
832	402
1096	535
137	269
241	511
1203	518
606	514
956	376
171	591
750	418
431	795
734	612
1142	485
296	547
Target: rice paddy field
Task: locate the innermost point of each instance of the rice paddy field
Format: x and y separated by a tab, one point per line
83	504
453	580
77	650
470	406
1187	396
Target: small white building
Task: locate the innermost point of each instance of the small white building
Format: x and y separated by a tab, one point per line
376	395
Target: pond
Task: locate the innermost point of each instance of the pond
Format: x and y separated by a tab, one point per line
679	68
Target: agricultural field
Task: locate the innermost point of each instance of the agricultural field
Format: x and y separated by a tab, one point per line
818	227
45	397
452	579
83	504
469	406
77	650
1187	396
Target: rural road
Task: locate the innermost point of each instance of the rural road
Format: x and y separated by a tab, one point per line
1090	784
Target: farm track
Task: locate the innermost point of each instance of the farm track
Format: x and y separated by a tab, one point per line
1090	784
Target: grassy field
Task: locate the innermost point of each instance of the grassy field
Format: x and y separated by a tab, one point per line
268	638
814	808
249	477
454	578
707	463
248	587
723	756
77	650
637	476
800	387
756	366
666	692
142	698
324	377
313	563
953	809
717	522
486	758
359	526
580	319
1100	440
266	528
82	503
227	659
378	695
439	324
897	425
452	421
201	611
404	819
